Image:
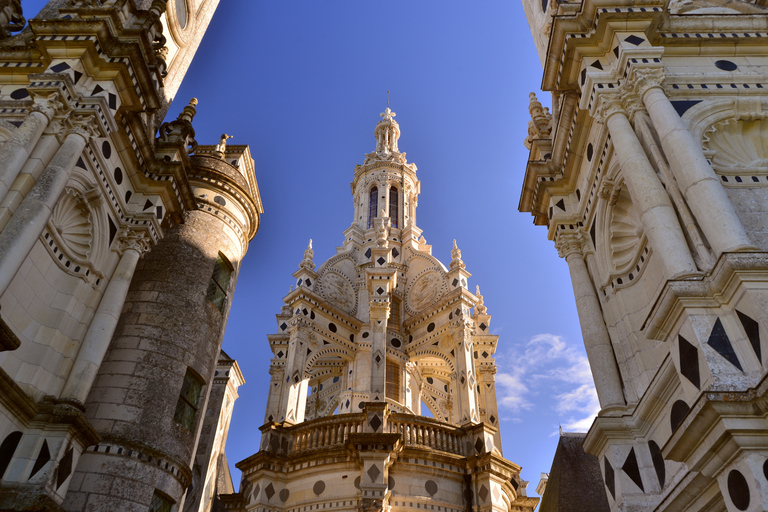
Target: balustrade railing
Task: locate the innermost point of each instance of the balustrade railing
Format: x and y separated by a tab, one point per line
326	432
426	433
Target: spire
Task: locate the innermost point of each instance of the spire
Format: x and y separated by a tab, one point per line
480	306
308	255
456	261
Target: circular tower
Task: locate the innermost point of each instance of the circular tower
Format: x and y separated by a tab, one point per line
151	392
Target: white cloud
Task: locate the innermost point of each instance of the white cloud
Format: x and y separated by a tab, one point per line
548	364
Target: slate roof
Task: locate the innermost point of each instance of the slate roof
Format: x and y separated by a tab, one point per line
575	481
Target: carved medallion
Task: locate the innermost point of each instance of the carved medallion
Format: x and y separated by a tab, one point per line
338	291
424	291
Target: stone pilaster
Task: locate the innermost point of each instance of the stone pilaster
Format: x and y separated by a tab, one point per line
465	400
597	340
657	214
294	396
132	245
700	185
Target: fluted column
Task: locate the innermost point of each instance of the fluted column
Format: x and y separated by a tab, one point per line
648	195
24	228
597	340
96	342
703	191
15	151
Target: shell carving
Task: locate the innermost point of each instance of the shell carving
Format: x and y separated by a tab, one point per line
738	144
71	222
625	232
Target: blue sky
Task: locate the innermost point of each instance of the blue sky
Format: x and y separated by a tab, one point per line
303	83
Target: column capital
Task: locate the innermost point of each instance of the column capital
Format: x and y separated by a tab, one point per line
48	104
130	239
606	105
571	242
84	125
645	78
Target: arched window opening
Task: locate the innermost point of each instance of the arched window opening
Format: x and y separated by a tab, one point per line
373	205
426	411
393	203
392	389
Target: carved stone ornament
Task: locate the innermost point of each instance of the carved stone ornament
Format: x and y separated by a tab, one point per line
424	290
307	262
47	104
625	232
83	125
644	78
608	104
130	239
11	17
570	242
738	144
712	7
180	131
338	291
540	125
71	220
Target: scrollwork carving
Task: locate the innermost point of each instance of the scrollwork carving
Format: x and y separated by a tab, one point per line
11	17
571	242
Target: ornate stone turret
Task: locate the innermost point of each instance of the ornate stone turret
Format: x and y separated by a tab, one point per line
365	341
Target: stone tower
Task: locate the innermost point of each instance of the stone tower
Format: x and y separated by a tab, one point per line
366	340
120	244
650	176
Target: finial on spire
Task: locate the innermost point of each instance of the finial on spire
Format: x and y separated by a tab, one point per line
456	261
387	99
189	111
480	306
308	255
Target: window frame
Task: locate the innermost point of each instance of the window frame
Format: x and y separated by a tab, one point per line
373	205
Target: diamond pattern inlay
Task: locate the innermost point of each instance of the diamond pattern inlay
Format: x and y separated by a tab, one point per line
373	472
375	423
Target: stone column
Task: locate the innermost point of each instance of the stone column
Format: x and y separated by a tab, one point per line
379	313
294	401
96	341
703	191
15	151
24	228
597	341
648	195
465	399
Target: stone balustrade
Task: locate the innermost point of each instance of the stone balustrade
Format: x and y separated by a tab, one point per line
418	431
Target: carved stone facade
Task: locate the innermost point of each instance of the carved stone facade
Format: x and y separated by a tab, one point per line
363	342
653	184
119	253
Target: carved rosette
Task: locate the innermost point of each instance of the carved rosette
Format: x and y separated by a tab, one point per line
424	291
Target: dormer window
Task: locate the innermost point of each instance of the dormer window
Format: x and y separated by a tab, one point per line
373	205
393	202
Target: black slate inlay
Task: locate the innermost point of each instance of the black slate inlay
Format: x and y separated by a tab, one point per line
390	483
765	469
61	66
97	90
616	51
375	423
357	483
590	152
658	462
20	94
583	76
80	163
431	487
365	334
682	106
318	488
689	361
112	229
677	414
752	328
220	200
42	459
332	327
726	65
381	260
118	173
455	282
592	233
483	326
431	327
738	490
78	76
610	477
395	252
719	341
7	449
632	470
368	253
479	446
284	495
395	342
112	101
379	290
560	204
65	467
633	39
147	205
